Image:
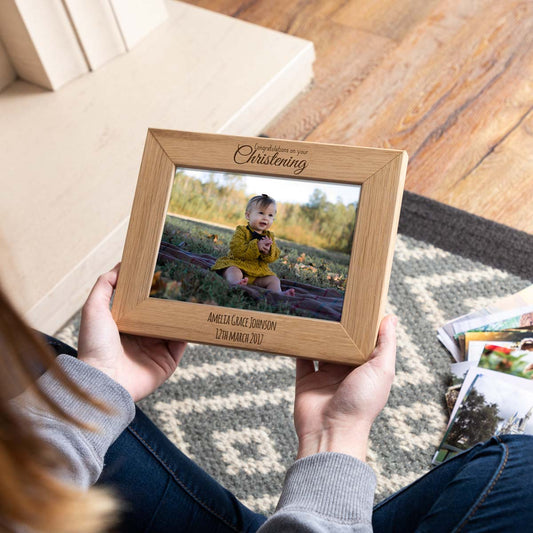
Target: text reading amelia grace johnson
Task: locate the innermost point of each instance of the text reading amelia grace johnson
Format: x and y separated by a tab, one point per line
242	321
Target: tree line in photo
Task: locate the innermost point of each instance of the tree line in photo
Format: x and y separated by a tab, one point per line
317	222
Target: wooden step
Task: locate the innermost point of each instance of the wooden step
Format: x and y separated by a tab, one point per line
71	157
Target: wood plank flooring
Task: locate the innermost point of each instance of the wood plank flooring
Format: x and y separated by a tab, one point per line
450	81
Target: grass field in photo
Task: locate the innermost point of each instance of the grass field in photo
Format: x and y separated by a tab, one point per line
191	283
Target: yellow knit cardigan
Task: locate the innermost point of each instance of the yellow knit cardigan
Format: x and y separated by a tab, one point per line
244	254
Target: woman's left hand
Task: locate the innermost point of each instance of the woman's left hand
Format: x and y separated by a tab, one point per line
139	364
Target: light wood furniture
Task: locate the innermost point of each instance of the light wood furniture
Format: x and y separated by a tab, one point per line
97	30
70	158
41	42
50	43
137	18
447	80
7	72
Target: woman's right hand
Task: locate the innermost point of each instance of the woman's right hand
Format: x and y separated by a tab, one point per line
139	364
336	405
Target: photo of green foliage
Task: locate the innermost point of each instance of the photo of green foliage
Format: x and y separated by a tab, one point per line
508	361
476	421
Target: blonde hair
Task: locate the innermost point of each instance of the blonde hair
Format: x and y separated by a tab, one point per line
30	495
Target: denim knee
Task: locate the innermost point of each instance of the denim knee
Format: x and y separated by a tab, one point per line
483	489
491	492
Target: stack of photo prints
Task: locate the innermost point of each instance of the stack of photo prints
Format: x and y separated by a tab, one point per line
492	377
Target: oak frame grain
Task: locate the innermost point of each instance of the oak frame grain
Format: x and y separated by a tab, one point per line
379	172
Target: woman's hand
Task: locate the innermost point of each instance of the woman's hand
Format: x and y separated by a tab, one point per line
139	364
336	405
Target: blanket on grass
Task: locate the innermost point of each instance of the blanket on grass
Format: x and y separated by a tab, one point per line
309	300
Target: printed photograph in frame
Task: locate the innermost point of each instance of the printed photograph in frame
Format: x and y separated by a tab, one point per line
263	243
324	244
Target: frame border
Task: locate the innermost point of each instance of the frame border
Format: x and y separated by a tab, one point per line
379	172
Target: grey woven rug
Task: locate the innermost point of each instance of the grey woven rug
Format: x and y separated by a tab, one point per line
232	410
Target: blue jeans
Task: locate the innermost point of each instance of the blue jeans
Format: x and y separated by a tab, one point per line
165	490
484	489
487	488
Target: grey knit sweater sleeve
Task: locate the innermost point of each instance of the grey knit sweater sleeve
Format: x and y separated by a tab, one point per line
326	492
83	449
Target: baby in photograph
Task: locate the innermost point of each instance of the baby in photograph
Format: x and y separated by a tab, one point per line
253	248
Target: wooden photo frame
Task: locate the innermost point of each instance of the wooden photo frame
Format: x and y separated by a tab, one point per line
166	305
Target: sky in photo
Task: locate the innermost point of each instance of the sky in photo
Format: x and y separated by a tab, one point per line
296	191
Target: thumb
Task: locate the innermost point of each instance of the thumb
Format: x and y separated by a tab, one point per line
100	296
384	354
387	331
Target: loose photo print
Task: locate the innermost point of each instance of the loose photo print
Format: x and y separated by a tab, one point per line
475	341
509	360
455	333
500	359
261	243
493	404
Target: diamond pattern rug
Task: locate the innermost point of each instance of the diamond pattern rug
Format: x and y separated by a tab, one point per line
231	410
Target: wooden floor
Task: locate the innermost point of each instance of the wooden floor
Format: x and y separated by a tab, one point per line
450	81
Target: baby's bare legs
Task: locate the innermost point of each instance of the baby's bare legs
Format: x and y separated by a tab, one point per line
234	276
272	283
